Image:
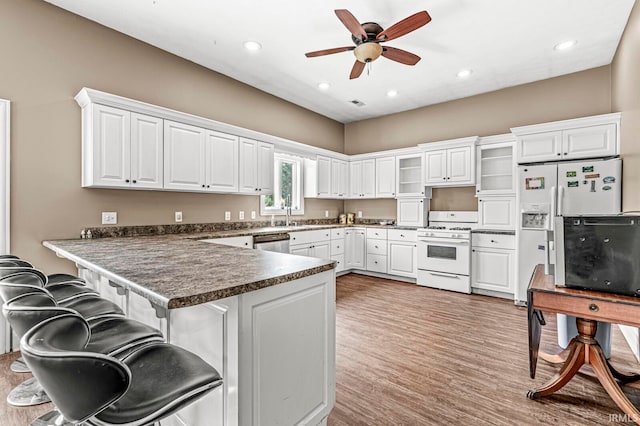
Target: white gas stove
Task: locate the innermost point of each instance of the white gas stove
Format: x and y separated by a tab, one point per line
444	250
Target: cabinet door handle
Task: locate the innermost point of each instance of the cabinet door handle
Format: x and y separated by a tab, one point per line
376	246
493	241
135	181
558	154
402	235
473	251
126	180
566	153
203	185
208	186
444	178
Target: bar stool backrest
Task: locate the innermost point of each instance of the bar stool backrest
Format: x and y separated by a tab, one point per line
27	310
22	274
8	263
80	384
9	290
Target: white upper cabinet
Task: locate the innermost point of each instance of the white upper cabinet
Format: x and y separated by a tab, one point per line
362	178
588	137
495	165
323	168
121	149
110	147
386	177
222	162
256	167
409	175
146	151
339	178
412	211
184	159
450	163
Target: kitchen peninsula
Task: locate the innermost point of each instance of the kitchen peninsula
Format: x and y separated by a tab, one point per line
265	320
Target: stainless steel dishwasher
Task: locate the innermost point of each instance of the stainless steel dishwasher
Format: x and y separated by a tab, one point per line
272	242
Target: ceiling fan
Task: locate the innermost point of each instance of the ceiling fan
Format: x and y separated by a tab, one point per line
368	36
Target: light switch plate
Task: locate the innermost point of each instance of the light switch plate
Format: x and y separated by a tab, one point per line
359	213
253	214
227	215
241	215
178	216
109	218
326	213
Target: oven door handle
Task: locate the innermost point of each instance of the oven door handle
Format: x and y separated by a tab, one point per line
442	274
444	243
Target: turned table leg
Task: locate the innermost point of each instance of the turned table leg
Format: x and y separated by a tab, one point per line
584	349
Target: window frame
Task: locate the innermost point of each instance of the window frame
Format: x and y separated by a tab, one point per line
298	172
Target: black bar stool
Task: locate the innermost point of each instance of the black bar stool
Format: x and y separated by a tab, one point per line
110	334
148	385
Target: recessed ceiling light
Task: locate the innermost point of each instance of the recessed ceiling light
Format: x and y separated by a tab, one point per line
324	86
464	73
252	45
565	45
392	93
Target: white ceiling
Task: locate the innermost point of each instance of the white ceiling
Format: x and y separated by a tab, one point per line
504	42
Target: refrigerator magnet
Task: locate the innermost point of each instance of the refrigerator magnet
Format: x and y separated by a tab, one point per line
587	169
571	174
592	176
609	179
573	184
606	188
534	183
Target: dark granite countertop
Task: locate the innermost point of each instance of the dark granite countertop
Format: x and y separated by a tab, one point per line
174	271
494	231
280	229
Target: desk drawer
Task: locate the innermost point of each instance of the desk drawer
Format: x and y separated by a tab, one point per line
617	312
494	241
376	247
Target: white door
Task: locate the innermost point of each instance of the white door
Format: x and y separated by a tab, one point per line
355	179
410	211
369	178
497	212
592	141
111	147
402	258
537	183
248	170
222	162
493	269
324	176
589	187
321	250
339	178
536	147
146	151
459	164
354	249
5	209
265	167
184	157
435	167
386	177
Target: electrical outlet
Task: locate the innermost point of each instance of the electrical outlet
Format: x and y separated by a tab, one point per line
326	213
109	218
359	213
227	215
241	215
253	214
178	216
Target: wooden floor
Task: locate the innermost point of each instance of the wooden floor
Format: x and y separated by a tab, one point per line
408	355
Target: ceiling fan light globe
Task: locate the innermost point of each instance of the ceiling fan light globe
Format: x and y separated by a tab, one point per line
368	52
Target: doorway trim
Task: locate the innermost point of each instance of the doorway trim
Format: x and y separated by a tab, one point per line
5	161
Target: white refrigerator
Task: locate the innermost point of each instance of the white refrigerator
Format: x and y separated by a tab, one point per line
547	190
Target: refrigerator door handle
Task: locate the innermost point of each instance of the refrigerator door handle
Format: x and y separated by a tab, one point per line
560	200
552	212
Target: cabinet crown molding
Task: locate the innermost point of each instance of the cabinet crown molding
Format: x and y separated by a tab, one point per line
450	143
505	137
569	124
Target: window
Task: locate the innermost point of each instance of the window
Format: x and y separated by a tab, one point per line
287	184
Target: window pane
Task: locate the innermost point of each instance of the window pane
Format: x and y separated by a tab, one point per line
286	182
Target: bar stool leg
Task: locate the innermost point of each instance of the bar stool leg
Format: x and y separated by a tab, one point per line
27	393
19	366
52	418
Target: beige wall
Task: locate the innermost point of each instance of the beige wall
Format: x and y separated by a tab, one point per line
48	55
626	98
570	96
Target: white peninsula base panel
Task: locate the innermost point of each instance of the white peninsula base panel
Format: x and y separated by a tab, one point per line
274	347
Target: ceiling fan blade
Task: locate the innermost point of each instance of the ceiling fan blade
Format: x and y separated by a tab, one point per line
400	55
351	23
405	26
328	51
357	69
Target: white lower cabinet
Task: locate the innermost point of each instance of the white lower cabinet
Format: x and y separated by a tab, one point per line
315	243
377	250
402	253
493	263
355	246
337	248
